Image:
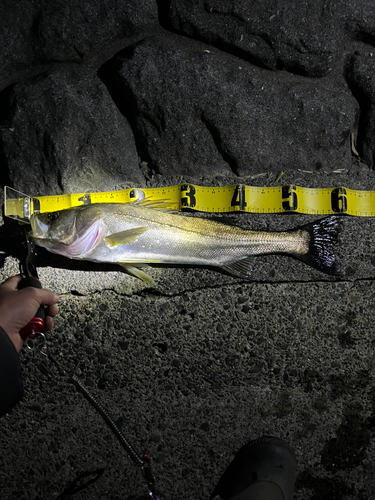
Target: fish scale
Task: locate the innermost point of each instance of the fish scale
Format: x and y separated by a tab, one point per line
192	240
140	233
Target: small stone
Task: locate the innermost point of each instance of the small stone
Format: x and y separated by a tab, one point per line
242	300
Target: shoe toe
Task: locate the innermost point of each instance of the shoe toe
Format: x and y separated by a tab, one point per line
262	469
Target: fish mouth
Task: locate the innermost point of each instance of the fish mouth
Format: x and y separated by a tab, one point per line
41	231
39	228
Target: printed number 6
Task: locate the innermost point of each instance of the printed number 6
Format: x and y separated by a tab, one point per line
339	203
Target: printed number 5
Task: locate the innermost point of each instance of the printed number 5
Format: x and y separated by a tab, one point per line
291	202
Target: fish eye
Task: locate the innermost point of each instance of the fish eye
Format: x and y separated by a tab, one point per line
53	217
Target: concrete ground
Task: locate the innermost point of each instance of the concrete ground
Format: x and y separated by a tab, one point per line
193	369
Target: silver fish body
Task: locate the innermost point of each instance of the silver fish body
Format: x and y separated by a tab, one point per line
133	234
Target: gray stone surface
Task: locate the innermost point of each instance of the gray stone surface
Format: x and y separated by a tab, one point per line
306	38
215	93
191	377
35	34
61	132
301	37
17	55
193	105
90	31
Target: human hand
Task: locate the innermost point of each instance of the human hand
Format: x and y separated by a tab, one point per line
18	307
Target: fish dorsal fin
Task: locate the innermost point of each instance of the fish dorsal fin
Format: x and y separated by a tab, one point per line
241	268
124	237
164	205
138	273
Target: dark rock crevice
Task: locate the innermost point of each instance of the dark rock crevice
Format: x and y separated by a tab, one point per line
359	73
226	155
126	102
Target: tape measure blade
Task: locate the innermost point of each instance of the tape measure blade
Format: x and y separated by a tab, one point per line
314	201
263	199
216	199
361	203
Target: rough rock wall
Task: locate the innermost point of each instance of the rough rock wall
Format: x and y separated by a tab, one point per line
224	88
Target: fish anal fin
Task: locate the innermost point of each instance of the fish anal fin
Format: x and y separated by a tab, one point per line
241	268
124	237
137	273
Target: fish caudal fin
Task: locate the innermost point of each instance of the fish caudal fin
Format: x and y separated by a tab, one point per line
323	237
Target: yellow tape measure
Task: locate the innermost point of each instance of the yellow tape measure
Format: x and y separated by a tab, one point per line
235	198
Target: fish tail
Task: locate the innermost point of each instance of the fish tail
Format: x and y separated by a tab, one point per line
323	237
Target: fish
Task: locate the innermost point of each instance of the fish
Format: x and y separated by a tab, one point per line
145	232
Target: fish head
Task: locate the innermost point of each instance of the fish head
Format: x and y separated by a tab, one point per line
55	227
72	232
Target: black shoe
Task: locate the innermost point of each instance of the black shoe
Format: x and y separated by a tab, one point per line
263	469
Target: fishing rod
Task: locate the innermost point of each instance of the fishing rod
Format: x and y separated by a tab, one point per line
35	329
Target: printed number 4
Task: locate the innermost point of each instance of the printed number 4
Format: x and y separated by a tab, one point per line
238	198
289	198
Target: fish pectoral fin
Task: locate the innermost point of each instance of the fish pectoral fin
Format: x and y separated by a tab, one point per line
124	237
138	273
241	268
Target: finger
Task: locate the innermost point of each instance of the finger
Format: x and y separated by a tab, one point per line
53	310
46	297
12	282
49	323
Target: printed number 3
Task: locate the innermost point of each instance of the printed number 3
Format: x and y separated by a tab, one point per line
189	199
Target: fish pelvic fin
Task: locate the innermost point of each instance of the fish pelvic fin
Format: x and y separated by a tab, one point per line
124	237
241	268
323	237
137	273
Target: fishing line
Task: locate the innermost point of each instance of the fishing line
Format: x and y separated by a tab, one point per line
143	462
